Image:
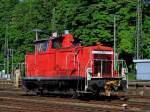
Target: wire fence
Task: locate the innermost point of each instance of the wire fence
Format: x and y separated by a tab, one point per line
9	74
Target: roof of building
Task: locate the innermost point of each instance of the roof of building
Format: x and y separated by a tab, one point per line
141	61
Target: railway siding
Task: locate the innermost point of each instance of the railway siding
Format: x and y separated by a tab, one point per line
15	101
136	87
66	105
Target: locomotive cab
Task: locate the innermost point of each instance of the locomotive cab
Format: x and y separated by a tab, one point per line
64	41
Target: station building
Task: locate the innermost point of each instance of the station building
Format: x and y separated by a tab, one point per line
142	67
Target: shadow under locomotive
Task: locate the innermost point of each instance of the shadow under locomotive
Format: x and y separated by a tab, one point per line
66	90
73	87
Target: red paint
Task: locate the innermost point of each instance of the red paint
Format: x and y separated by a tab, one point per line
67	61
67	41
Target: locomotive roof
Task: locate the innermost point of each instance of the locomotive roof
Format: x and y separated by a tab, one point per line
40	41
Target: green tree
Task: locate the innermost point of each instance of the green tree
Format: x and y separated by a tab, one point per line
6	7
26	16
89	20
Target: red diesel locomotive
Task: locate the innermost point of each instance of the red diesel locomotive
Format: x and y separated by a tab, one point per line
61	64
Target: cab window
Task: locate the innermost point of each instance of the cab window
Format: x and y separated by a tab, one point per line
42	47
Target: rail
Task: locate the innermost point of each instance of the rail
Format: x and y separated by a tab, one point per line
14	101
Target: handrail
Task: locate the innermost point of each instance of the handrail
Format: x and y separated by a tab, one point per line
86	81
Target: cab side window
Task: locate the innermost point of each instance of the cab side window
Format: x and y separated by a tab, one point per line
56	44
42	47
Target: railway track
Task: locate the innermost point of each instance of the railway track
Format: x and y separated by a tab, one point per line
39	105
17	101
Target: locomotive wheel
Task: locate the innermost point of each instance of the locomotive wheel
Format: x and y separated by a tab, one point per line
27	92
75	95
39	92
96	93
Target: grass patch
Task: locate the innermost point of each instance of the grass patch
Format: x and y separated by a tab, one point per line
131	75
